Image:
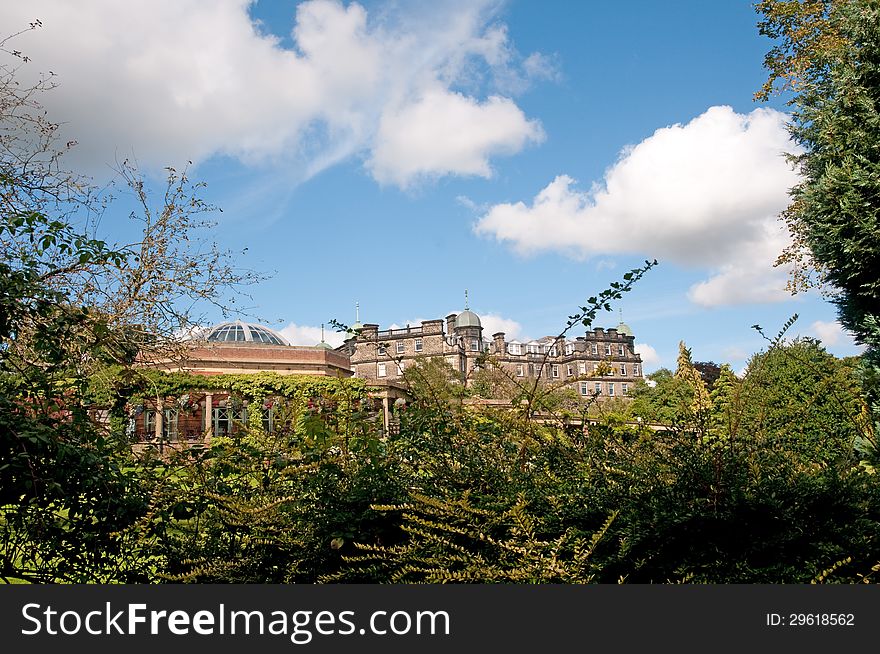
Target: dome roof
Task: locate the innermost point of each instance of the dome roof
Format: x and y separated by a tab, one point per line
467	318
243	332
624	329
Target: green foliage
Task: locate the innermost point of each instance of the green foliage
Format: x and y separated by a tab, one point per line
273	508
667	399
734	513
800	394
454	542
828	54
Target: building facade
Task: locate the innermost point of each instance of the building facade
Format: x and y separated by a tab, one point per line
228	348
602	363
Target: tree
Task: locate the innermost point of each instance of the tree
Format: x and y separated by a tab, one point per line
709	372
71	305
804	398
662	398
827	55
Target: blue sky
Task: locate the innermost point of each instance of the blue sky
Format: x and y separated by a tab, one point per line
397	153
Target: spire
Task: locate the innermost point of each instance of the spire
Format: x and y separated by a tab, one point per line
323	344
357	317
466	307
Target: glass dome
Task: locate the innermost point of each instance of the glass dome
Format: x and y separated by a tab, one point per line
243	332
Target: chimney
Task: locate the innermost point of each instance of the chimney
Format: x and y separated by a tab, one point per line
450	322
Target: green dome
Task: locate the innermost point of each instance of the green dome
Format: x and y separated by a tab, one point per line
624	329
467	318
324	345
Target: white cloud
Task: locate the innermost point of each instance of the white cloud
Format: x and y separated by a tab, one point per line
832	333
441	133
540	66
649	355
705	194
308	335
829	333
176	80
493	323
734	353
750	277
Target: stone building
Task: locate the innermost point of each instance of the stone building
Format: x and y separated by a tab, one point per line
240	347
228	348
602	362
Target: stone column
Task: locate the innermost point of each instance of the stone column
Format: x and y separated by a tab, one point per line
160	420
209	416
386	409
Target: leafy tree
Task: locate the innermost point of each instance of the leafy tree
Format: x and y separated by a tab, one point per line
709	372
725	403
827	55
72	305
805	397
686	371
663	398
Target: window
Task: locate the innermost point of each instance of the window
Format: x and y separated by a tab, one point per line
635	370
595	368
624	389
380	370
598	388
418	345
519	370
531	370
607	349
169	424
462	365
533	349
401	347
475	345
228	419
582	368
514	348
569	348
621	351
570	371
585	388
594	348
381	349
553	351
610	389
400	367
555	370
623	370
